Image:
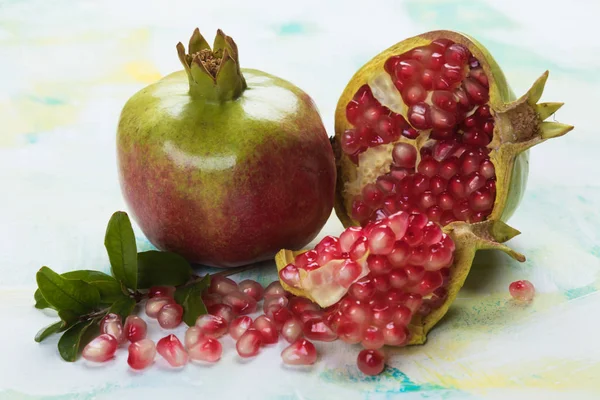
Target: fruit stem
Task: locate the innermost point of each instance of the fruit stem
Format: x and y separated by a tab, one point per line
214	74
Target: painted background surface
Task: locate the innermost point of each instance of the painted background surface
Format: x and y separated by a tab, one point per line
66	69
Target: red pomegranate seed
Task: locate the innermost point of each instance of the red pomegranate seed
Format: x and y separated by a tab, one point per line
372	196
522	290
417	255
431	234
412	301
353	112
274	302
414	273
413	94
434	213
170	316
239	325
280	316
456	187
275	289
252	289
462	211
428	167
362	290
370	362
481	200
206	349
316	329
487	170
457	54
267	329
300	352
474	182
441	119
378	264
310	314
349	237
192	336
408	70
404	155
210	299
395	335
241	303
141	354
382	284
480	76
347	272
382	314
291	330
160	291
222	285
101	348
452	73
373	338
349	332
171	349
222	310
444	99
419	116
359	249
426	200
211	325
360	211
290	275
399	254
448	168
446	201
299	304
397	278
477	93
111	325
381	239
301	261
438	257
249	343
413	236
154	305
350	143
135	328
402	316
431	281
398	223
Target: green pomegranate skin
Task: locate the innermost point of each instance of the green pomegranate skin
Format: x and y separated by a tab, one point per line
226	184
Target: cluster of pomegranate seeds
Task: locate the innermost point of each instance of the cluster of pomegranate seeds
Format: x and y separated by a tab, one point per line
522	290
445	90
408	259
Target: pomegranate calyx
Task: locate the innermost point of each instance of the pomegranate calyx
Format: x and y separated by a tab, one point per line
213	74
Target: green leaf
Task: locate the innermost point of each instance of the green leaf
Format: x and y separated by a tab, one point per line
66	294
123	307
68	317
162	268
189	297
49	330
40	301
109	287
75	338
122	251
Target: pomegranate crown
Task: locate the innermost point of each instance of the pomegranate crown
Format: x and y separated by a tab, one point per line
213	73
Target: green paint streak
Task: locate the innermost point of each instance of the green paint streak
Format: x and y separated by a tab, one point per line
49	101
572	294
291	28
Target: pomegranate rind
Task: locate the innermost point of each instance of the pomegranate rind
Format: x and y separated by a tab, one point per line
468	238
513	134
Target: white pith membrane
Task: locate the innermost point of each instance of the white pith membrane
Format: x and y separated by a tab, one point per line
434	100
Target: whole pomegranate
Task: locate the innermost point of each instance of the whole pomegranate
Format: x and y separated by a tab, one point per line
430	125
224	165
391	281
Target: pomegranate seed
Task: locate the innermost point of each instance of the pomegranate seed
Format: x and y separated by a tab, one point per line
210	299
438	257
359	249
434	213
461	210
399	255
382	313
448	168
301	261
101	348
274	302
379	265
267	329
171	349
397	278
161	291
310	314
381	239
419	116
441	119
349	332
316	329
409	70
206	349
135	328
404	155
275	289
170	316
398	223
444	99
350	143
222	285
300	352
487	170
347	272
239	325
480	76
395	335
252	289
373	338
360	211
431	281
349	237
211	325
192	336
241	303
299	304
370	362
353	112
372	196
413	94
249	343
445	200
363	289
154	305
452	73
474	182
222	310
111	324
412	301
413	236
522	290
280	316
477	93
456	187
290	275
141	354
402	315
381	283
481	200
457	54
428	167
291	330
431	234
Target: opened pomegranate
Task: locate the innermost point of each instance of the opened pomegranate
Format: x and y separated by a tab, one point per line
389	282
430	125
223	165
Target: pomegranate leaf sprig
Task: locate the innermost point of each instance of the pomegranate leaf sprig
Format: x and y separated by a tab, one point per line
83	298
